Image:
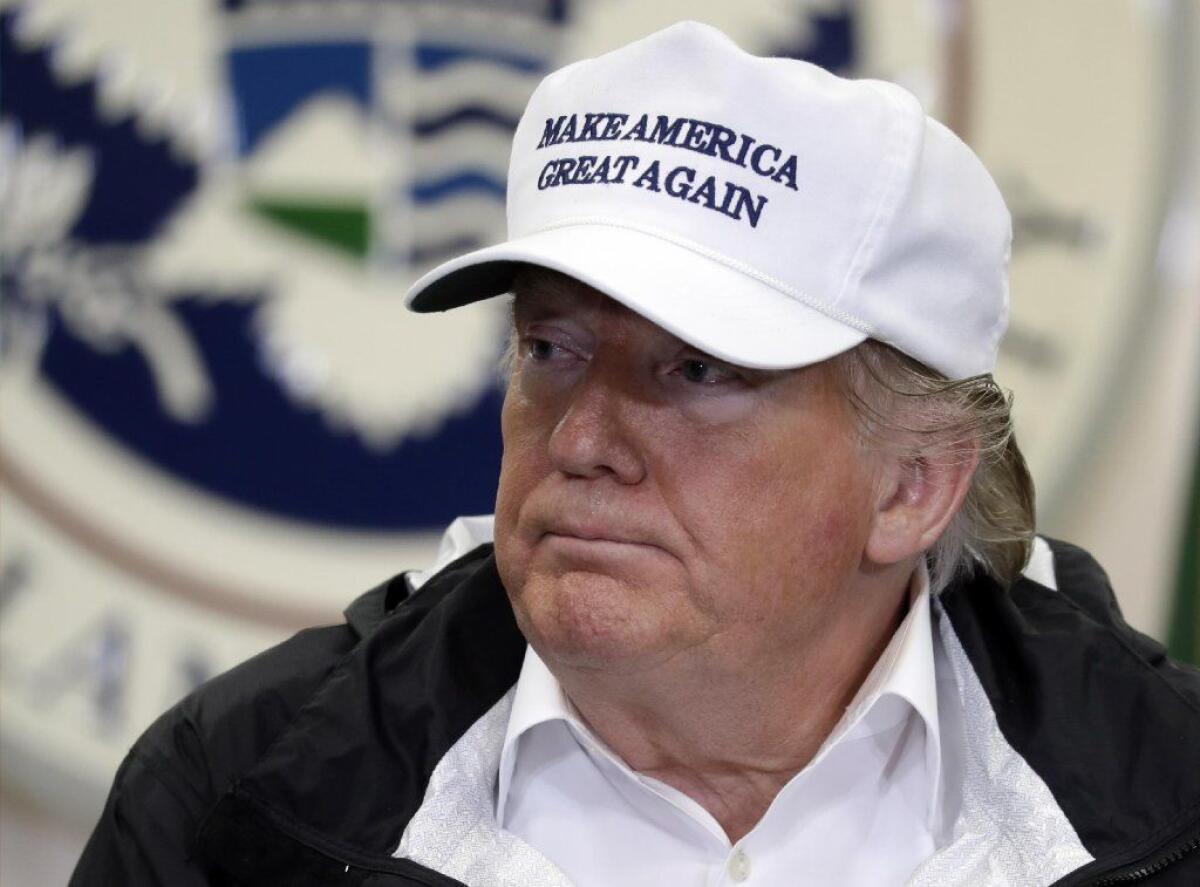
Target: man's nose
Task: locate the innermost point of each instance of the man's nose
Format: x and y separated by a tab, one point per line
596	436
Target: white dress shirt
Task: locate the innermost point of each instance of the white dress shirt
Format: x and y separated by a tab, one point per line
865	811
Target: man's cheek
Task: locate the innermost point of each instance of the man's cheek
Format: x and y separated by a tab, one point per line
512	560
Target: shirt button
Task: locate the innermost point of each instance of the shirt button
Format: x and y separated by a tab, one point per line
739	866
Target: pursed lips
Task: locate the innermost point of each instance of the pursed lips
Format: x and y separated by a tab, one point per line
598	534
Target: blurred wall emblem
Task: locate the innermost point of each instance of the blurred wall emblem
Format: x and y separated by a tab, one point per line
225	308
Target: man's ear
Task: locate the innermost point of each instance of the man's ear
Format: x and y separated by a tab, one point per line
918	495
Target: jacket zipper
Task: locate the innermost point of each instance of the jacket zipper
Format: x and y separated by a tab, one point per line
1147	870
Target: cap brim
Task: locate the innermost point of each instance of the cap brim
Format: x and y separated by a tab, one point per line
713	307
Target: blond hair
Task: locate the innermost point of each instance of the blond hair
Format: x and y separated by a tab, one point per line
899	401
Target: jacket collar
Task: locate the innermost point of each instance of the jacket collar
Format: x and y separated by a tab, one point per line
1090	707
353	767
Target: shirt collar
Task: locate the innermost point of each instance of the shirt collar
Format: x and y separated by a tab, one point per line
904	673
538	698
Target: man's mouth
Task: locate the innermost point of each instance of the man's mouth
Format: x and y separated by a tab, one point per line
598	536
597	547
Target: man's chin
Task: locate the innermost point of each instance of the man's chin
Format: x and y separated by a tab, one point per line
591	621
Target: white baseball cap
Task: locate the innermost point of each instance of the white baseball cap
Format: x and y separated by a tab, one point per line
763	210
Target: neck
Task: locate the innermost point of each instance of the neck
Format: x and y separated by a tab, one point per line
731	736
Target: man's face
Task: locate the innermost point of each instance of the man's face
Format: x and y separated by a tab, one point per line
654	502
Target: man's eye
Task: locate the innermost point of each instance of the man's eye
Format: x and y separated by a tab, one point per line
705	372
540	349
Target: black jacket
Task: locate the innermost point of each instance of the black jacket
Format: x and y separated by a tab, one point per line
306	764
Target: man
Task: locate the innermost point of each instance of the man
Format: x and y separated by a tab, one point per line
761	522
